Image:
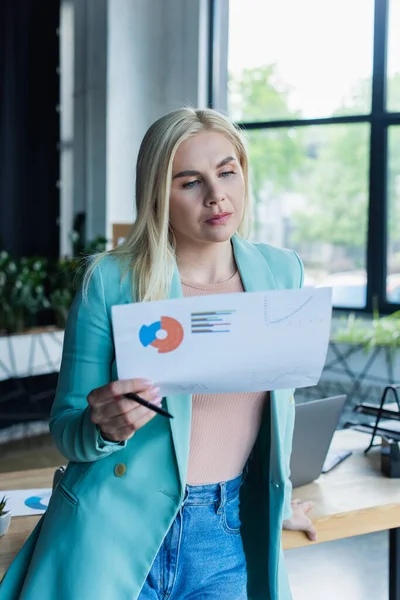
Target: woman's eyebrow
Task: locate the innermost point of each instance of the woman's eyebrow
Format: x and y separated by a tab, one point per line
225	161
191	173
186	174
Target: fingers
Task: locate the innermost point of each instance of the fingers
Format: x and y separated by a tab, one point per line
307	506
131	418
303	524
119	407
299	521
146	416
128	418
311	533
123	427
118	417
115	389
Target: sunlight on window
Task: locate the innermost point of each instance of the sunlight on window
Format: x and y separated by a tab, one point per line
393	72
292	59
393	250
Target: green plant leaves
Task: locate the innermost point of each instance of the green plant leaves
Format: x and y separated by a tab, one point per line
381	331
31	285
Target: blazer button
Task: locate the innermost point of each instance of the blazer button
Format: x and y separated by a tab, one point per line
119	469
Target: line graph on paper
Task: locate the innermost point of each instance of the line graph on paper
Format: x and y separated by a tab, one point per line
299	376
296	310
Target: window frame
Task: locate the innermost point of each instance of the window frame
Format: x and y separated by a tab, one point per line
379	120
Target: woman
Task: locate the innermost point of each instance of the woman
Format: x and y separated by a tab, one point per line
149	508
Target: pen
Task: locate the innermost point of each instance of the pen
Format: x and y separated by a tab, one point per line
139	400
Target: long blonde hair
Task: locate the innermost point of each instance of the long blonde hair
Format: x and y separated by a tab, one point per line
149	248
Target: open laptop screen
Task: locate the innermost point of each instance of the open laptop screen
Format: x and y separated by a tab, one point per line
315	424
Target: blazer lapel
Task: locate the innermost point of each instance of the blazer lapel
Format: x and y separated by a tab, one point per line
253	268
257	277
181	409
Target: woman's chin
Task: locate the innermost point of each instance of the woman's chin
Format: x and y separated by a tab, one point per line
218	237
221	233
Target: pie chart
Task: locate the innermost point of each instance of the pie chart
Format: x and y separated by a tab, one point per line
165	335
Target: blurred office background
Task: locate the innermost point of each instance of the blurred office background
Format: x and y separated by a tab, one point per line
315	87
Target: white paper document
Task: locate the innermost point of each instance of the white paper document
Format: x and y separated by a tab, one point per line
247	342
27	502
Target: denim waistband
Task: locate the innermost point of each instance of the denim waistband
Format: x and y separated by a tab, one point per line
213	492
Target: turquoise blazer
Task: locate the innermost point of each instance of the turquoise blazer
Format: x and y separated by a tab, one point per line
108	517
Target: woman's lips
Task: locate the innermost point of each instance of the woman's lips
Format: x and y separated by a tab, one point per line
219	219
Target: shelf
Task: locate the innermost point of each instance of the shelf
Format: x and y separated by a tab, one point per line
385	431
391	411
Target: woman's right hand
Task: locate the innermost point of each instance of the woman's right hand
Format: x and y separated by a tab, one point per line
117	417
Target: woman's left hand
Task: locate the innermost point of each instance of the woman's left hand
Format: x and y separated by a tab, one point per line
299	520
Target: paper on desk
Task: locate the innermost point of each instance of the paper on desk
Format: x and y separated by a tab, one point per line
27	502
225	343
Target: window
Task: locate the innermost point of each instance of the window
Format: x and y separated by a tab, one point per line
310	192
393	66
393	250
291	59
307	82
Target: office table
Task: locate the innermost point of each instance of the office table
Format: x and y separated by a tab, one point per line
353	499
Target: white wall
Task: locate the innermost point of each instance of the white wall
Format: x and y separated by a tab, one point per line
157	61
66	33
83	87
124	64
90	107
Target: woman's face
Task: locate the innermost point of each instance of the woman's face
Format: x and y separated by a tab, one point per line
207	191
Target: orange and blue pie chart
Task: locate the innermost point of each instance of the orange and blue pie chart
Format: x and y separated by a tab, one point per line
172	330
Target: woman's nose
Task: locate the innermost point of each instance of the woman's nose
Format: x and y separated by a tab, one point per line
215	195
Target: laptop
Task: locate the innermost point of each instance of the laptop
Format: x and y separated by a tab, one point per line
316	422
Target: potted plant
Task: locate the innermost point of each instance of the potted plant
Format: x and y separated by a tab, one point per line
63	280
32	289
22	291
5	516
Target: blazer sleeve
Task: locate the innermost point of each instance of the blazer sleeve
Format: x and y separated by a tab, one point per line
88	353
287	507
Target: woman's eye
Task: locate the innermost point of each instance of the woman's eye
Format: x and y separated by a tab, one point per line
190	184
226	174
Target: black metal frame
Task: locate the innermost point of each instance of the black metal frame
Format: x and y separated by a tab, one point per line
375	428
339	364
213	41
378	119
380	412
394	564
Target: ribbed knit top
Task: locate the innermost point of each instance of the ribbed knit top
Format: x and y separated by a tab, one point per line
224	426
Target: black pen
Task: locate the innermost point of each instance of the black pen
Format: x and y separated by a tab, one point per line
139	400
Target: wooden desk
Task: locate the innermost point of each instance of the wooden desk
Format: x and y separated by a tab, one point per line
353	499
21	527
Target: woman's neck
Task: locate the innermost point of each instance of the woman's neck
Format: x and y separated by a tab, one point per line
210	263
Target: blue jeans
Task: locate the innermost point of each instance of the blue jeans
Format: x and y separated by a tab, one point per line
202	555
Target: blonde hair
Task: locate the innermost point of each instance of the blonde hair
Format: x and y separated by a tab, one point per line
149	248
